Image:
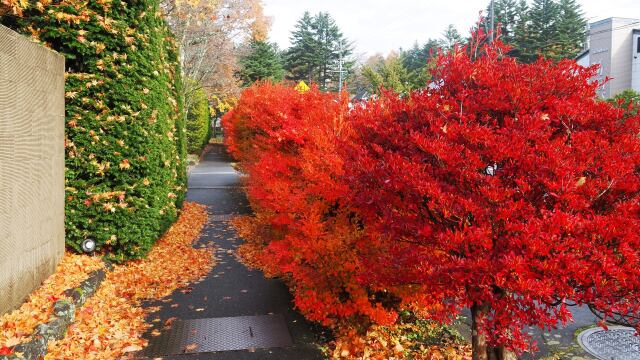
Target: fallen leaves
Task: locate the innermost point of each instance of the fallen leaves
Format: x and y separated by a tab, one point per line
400	341
112	322
18	325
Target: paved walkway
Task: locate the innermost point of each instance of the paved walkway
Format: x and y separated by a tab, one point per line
231	289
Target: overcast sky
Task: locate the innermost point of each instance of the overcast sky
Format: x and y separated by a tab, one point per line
379	26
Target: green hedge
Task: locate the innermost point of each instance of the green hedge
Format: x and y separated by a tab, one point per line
198	121
125	142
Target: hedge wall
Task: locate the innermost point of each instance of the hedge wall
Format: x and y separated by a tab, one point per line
198	122
125	143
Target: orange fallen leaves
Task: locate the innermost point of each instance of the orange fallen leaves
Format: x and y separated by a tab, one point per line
112	322
384	343
18	325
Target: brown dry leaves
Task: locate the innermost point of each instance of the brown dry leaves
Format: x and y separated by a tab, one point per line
17	326
112	322
384	343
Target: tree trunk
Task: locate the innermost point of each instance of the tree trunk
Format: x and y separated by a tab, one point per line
481	351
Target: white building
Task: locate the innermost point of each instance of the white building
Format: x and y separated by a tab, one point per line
614	44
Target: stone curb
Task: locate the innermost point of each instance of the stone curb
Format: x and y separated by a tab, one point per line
64	312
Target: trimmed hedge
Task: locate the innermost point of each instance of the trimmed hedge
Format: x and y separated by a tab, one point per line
198	121
125	142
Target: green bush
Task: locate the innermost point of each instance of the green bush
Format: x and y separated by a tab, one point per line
125	145
198	122
629	100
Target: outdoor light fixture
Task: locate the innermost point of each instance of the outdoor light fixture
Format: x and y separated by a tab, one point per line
88	245
491	169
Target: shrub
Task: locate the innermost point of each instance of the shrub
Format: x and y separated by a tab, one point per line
287	142
629	100
198	124
125	146
508	188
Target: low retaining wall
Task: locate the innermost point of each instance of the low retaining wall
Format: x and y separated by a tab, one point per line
31	165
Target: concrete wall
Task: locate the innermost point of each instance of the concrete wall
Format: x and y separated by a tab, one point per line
600	52
635	59
621	50
31	166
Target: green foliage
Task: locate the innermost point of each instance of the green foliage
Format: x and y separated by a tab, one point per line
198	121
552	28
262	62
389	74
125	145
317	47
629	100
450	38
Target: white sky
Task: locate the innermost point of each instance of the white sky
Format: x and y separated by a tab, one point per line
380	26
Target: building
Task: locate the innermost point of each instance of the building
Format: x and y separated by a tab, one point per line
614	44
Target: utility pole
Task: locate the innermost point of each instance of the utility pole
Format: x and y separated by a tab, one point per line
341	72
491	21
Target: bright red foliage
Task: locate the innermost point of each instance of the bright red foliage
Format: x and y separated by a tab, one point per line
507	188
286	142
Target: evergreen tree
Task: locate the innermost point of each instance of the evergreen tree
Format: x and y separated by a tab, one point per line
317	48
521	35
506	17
450	38
417	62
571	29
301	58
544	16
261	62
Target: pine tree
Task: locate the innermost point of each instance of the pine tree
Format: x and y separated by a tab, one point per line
318	45
571	29
301	60
261	62
450	37
544	15
521	35
506	16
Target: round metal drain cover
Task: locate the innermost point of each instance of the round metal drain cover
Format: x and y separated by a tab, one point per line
617	343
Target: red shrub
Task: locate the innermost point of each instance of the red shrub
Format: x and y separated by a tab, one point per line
286	142
508	188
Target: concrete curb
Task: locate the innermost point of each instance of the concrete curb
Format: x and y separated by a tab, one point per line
64	312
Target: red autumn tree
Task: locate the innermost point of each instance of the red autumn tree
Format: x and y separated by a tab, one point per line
506	188
286	142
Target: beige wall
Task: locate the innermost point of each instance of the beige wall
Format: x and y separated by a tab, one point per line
31	166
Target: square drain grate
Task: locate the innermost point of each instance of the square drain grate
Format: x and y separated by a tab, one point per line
222	217
221	334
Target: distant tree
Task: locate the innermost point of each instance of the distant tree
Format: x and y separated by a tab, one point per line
317	47
544	16
629	100
301	59
450	38
388	73
262	61
521	36
571	29
506	18
418	60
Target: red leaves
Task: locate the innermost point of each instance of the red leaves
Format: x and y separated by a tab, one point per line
508	186
5	350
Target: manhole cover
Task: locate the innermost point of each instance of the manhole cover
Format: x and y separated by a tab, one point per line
617	343
222	217
221	334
